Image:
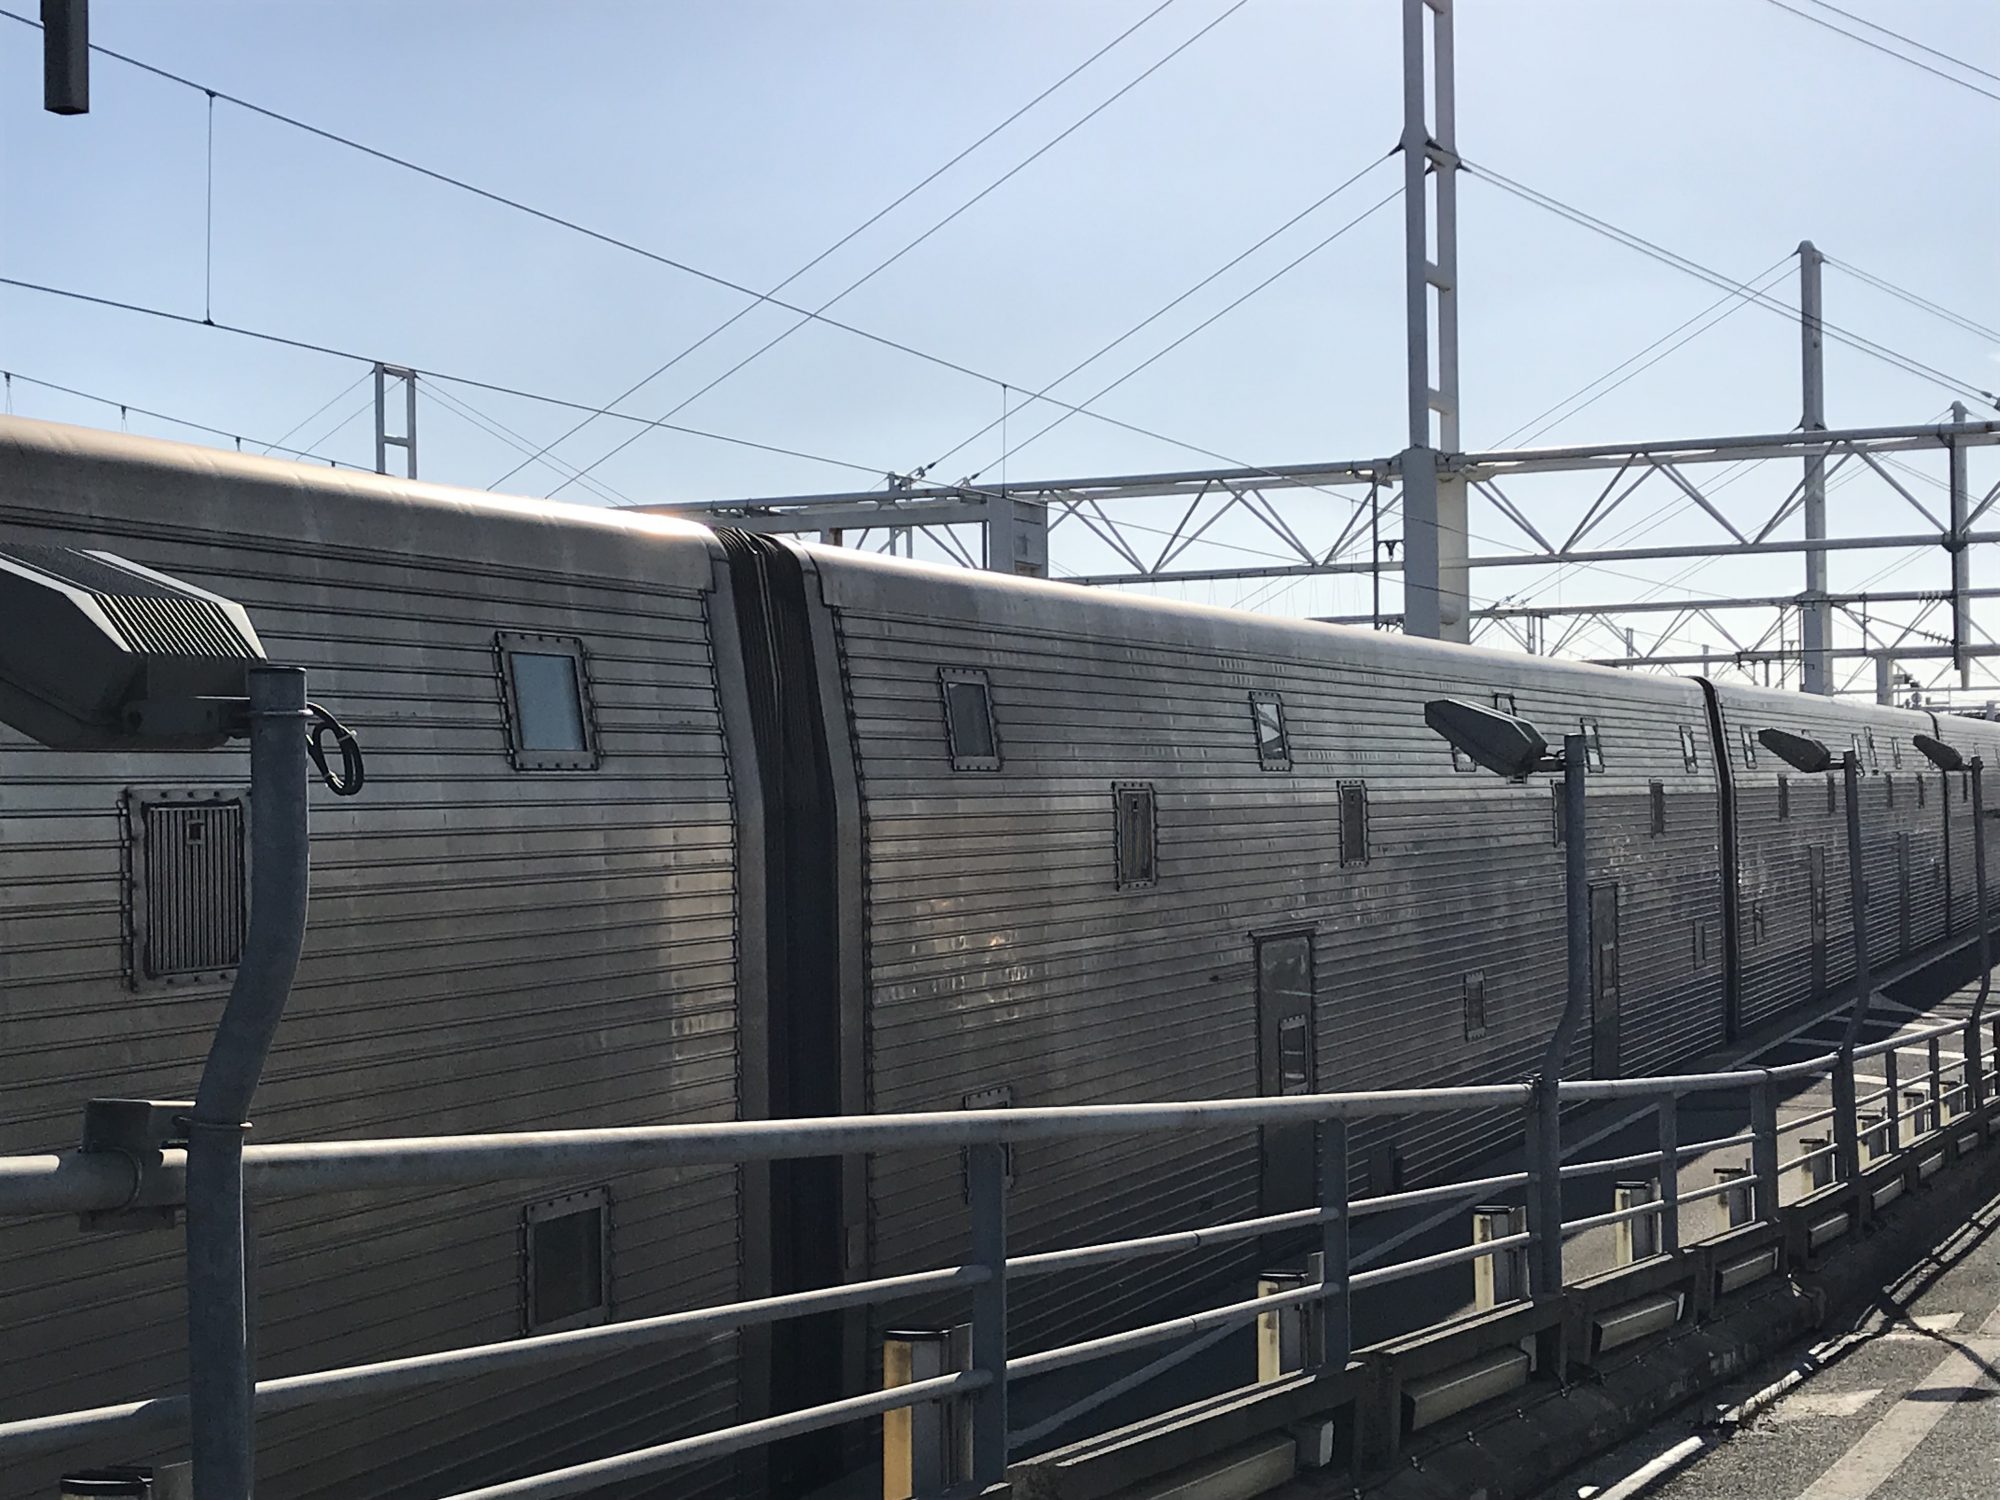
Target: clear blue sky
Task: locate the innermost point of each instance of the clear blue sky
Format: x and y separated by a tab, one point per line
744	139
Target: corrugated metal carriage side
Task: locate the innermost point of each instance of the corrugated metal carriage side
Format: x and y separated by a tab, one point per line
494	944
1012	958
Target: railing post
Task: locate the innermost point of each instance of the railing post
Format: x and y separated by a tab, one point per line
1638	1238
1937	1084
1544	1146
987	1165
1499	1278
1892	1100
1670	1175
1764	1148
1335	1312
1846	1129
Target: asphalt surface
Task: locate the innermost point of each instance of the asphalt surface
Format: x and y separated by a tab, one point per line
1904	1404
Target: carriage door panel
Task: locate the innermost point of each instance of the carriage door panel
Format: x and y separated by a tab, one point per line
1903	889
1816	914
1285	1065
1604	981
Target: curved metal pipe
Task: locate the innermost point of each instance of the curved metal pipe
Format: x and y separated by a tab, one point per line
219	1373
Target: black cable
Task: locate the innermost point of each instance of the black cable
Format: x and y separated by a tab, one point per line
1205	323
313	415
466	380
1882	284
877	270
1907	363
869	223
1151	318
1889	51
1907	41
352	774
160	416
493	427
759	298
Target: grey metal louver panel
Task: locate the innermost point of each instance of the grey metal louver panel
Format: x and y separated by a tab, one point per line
191	895
172	627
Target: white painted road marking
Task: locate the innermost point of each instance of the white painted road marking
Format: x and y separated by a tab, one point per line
1885	1447
1808	1404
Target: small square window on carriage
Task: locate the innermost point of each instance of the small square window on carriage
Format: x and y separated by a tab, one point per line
1593	744
545	692
1689	759
1504	702
968	719
566	1262
1267	719
1354	822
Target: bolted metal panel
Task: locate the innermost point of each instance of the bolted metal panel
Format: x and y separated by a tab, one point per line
187	905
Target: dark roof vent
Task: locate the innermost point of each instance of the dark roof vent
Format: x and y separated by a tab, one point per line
97	653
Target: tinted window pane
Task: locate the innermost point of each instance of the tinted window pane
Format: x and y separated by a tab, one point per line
545	693
971	720
1294	1056
569	1265
1270	730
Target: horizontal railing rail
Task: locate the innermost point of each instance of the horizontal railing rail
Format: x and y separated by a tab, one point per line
101	1182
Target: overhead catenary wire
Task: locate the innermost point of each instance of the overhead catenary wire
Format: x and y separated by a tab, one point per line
844	240
314	414
494	428
160	416
561	221
1896	358
1150	318
1890	51
311	347
1902	293
1907	41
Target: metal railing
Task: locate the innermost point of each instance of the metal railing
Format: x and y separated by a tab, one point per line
103	1182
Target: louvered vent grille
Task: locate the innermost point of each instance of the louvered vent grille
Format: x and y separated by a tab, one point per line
193	889
153	619
172	627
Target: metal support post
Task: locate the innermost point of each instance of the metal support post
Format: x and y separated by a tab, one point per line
219	1375
1499	1278
1892	1101
1961	559
1764	1148
1436	600
1846	1129
1545	1120
1976	1074
1670	1175
1334	1256
1936	1060
384	441
1815	613
1857	892
987	1165
1634	1239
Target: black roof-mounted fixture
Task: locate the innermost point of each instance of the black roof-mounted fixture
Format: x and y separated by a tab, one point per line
97	653
1938	753
1503	743
1796	750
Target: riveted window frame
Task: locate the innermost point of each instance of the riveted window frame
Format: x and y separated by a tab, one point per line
1896	752
1148	875
1657	798
1784	797
1350	854
1690	756
509	643
1281	758
1889	788
597	1199
1748	742
963	759
1923	783
1874	760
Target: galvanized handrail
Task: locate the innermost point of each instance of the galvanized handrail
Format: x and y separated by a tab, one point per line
82	1181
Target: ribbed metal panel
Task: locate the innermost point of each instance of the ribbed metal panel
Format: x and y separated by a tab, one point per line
1001	950
487	950
195	906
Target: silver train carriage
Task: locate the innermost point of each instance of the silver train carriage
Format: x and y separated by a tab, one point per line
667	824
